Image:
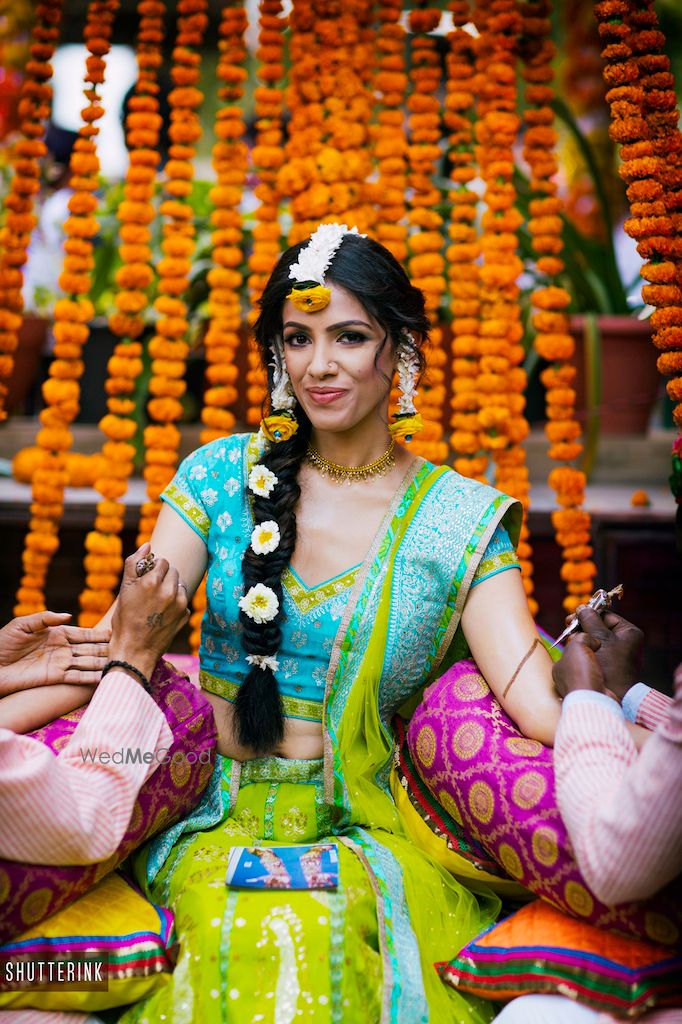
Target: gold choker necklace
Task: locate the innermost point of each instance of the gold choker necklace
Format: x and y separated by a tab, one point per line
348	474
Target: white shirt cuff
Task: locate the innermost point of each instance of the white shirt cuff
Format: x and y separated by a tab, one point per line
592	697
632	700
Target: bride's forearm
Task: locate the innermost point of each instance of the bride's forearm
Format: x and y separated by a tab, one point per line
30	709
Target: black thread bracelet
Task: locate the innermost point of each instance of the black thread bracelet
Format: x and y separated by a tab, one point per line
130	668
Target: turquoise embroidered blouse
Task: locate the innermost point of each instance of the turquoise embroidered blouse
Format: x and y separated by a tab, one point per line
210	492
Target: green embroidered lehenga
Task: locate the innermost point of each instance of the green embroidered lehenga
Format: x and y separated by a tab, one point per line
364	952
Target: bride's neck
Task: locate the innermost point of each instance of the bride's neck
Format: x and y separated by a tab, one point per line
351	448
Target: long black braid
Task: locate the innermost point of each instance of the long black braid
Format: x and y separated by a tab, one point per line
258	705
369	271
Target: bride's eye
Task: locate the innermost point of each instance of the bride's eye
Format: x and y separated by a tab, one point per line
351	338
296	340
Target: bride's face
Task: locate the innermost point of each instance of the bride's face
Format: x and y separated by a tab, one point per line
340	362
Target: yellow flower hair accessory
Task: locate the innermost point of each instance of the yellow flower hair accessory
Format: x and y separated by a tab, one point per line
310	293
310	300
406	425
278	427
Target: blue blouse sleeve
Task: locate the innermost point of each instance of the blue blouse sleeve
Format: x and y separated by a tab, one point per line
196	492
498	556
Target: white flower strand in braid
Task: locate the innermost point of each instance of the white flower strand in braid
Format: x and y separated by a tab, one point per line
407	420
282	394
263	661
310	292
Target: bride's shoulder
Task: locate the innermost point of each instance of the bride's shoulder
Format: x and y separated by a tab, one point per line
230	449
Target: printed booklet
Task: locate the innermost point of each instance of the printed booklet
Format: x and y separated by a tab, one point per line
283	867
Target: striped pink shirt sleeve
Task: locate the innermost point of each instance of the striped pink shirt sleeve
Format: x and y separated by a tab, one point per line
653	710
74	807
621	809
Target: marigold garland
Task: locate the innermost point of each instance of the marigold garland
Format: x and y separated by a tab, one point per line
230	161
463	251
502	380
268	158
104	556
328	161
72	315
169	347
426	264
553	340
33	110
389	144
644	121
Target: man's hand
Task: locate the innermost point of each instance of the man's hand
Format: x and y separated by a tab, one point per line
620	648
149	612
578	668
41	650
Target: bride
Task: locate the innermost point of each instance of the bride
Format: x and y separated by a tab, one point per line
343	574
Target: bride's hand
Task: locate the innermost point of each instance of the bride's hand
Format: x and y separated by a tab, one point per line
42	649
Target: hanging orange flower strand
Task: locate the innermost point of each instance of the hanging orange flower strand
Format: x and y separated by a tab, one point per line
230	162
463	251
502	380
72	316
268	158
104	552
20	220
553	340
169	347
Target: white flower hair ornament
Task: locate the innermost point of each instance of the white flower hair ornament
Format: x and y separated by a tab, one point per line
265	537
310	292
262	481
260	603
407	420
263	661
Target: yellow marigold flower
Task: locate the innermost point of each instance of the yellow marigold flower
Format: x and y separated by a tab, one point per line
310	300
278	428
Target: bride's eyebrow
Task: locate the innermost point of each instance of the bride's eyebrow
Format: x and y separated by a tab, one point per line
332	327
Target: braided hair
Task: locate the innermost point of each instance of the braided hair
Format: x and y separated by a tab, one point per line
376	279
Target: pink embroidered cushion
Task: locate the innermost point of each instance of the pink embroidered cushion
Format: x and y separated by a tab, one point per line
31	892
500	785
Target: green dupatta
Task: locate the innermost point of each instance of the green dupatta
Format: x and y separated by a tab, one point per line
400	628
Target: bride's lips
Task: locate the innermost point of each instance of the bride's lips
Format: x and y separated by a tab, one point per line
324	396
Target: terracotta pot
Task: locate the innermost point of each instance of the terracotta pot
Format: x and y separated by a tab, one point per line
32	337
629	378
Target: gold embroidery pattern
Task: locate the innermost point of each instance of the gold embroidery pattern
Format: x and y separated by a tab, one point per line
193	512
305	600
293	707
294	822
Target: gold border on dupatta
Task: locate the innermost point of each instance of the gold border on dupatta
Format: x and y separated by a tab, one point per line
465	585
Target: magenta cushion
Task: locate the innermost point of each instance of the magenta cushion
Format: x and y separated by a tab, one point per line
31	892
501	786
